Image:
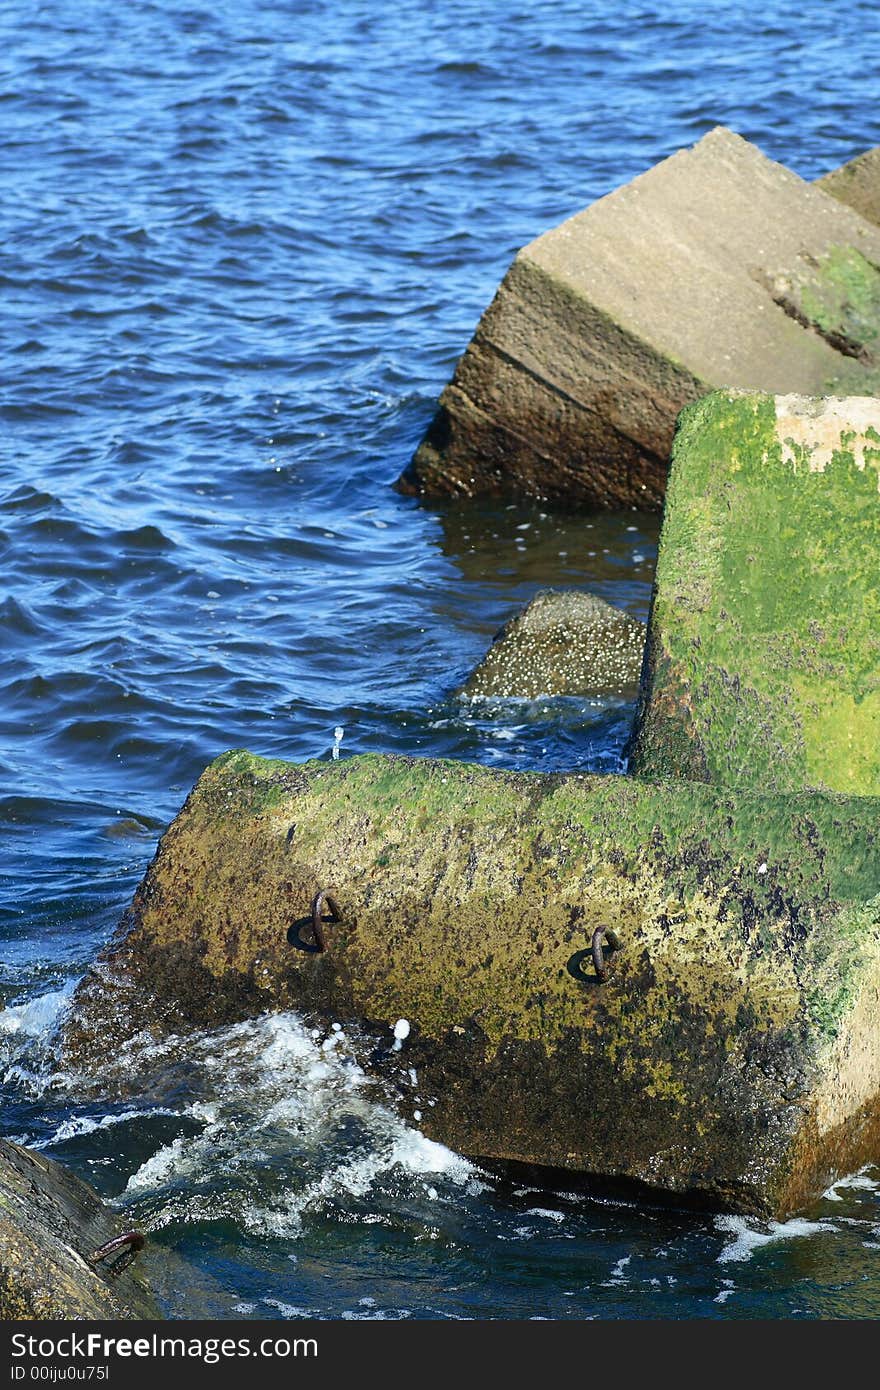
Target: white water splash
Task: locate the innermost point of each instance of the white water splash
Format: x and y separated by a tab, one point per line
27	1031
275	1119
394	1147
36	1017
290	1127
86	1124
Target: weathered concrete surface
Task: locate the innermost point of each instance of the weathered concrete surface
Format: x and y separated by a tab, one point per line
732	1056
562	643
50	1224
717	267
763	660
857	183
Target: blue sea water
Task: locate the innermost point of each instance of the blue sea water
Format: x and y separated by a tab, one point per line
241	247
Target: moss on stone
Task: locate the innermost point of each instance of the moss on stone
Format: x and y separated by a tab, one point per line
838	966
468	902
764	653
840	295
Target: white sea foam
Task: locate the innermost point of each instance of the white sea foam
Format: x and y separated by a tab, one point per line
36	1017
290	1310
87	1124
368	1314
617	1275
747	1237
860	1181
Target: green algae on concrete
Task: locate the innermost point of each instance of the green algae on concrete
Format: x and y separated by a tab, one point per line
730	1056
763	661
838	296
51	1223
564	642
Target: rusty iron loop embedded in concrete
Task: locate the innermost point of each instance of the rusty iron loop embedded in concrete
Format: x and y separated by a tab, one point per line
612	940
318	901
135	1240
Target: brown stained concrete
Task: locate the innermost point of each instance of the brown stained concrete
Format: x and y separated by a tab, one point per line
857	183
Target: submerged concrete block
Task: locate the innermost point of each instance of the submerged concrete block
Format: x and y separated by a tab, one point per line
564	642
731	1055
763	657
717	267
857	183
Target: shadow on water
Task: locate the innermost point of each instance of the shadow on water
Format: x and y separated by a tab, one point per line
508	550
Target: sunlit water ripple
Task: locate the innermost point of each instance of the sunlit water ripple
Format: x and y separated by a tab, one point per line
242	248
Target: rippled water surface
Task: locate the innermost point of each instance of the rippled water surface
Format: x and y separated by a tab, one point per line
242	247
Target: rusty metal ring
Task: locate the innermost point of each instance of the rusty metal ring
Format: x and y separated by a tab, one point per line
612	940
318	901
135	1240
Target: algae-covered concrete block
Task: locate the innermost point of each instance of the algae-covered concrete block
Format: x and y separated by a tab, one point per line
857	183
732	1053
716	268
51	1224
763	658
564	642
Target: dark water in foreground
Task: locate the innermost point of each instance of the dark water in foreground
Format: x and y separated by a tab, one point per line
242	247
